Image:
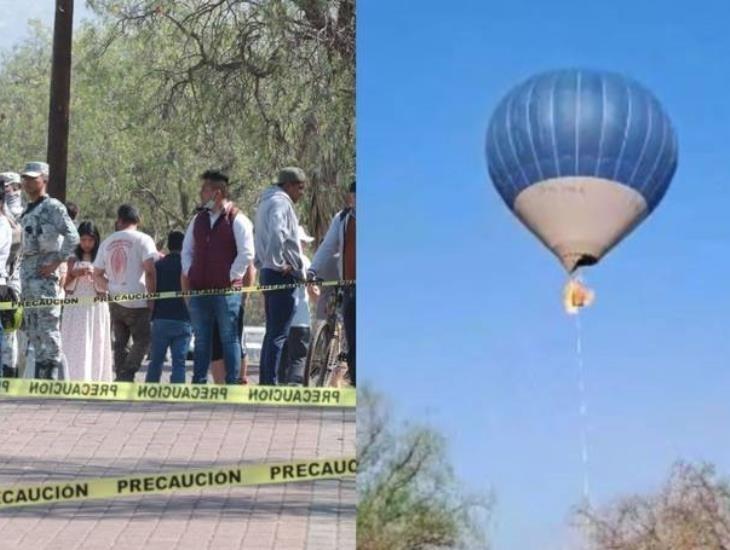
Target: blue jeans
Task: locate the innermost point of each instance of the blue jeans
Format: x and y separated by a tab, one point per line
294	356
279	307
175	335
224	310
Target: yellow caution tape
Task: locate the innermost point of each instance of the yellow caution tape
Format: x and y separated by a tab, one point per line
290	396
233	476
33	303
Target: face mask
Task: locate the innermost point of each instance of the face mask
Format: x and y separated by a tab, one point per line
12	198
209	205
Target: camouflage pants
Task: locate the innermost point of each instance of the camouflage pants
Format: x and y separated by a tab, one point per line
10	350
43	325
10	345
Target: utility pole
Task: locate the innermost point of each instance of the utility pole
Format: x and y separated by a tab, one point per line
60	98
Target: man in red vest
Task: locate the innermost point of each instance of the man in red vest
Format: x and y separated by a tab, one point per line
218	251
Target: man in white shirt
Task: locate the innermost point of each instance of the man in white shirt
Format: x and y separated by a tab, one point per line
218	253
125	264
12	208
6	293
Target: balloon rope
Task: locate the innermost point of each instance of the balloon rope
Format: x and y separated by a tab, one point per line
583	408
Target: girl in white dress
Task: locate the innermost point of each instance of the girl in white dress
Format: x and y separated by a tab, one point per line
86	329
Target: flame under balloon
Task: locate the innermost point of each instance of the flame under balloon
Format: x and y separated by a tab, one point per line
577	295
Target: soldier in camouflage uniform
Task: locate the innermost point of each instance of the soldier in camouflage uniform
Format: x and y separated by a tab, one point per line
49	238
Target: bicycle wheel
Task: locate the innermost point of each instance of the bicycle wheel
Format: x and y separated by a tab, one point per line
318	356
332	364
343	365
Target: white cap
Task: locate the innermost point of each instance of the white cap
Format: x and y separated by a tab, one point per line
35	169
8	178
303	236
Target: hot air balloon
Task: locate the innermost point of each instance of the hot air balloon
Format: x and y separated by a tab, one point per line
581	157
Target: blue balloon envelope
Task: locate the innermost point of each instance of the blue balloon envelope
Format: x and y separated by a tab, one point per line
581	157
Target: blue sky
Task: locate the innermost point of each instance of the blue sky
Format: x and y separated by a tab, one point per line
460	321
15	14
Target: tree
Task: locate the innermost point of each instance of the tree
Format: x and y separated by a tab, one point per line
408	494
163	89
282	70
690	512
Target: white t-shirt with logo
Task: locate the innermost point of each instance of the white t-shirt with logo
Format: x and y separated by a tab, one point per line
121	256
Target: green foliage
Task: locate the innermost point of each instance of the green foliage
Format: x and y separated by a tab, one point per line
163	90
408	495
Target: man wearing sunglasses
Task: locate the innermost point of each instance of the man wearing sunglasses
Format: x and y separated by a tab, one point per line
13	194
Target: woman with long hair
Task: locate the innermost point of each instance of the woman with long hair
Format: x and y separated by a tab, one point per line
86	329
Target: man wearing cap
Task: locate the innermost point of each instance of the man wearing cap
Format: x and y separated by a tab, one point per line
125	264
279	257
49	239
13	196
12	208
217	253
339	242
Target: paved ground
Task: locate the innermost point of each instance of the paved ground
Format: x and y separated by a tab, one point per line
56	440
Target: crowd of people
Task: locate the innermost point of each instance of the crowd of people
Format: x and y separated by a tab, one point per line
46	255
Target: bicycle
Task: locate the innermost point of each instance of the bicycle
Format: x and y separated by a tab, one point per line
326	360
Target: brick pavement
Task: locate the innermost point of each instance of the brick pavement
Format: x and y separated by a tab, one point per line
57	440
